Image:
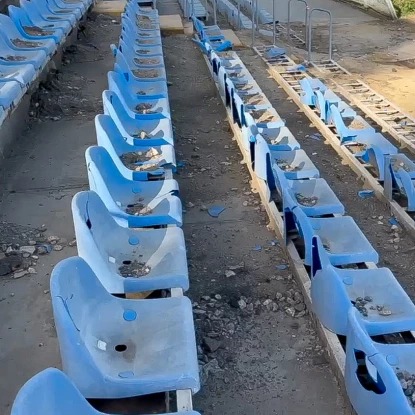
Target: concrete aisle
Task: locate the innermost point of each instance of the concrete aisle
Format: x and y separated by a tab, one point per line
46	169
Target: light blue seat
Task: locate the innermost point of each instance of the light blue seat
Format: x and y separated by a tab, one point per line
295	164
143	74
77	7
108	247
342	238
248	102
45	19
10	94
160	160
23	74
314	196
151	132
278	138
132	37
68	11
45	393
137	106
375	372
34	27
155	89
308	88
134	204
324	101
50	12
400	178
117	348
352	132
375	292
15	40
9	56
265	118
135	22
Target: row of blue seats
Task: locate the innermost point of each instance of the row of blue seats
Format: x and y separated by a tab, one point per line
29	37
363	303
212	35
114	345
395	170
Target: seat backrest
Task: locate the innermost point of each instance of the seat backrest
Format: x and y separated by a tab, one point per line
115	109
108	135
51	392
103	170
336	117
91	217
118	84
8	27
74	282
19	16
320	259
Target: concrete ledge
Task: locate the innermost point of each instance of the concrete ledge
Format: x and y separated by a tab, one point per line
230	35
171	23
18	117
112	8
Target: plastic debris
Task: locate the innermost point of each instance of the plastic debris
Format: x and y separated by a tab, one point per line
275	52
366	193
275	242
393	221
282	267
316	136
257	248
180	163
296	68
215	211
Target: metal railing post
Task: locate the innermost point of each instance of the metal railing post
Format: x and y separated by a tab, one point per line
273	23
309	38
253	23
305	20
215	20
239	14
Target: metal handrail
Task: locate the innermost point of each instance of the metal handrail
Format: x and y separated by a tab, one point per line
330	31
305	20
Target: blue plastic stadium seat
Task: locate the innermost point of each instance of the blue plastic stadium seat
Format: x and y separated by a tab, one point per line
154	89
153	132
51	392
400	178
343	240
160	160
308	88
295	164
15	40
10	94
382	301
9	56
117	348
376	371
324	101
23	74
137	106
35	28
314	196
134	204
108	247
51	12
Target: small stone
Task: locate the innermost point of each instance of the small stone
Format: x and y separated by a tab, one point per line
290	311
299	307
242	304
198	311
11	294
40	344
385	313
190	205
53	239
218	296
20	274
301	314
275	307
368	298
42	250
394	227
57	247
409	391
229	274
267	302
32	243
31	270
211	345
35	257
245	203
45	291
72	243
206	297
250	307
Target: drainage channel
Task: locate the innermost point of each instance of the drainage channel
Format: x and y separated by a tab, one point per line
288	75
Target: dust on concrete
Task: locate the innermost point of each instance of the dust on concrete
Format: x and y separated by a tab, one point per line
257	347
393	244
